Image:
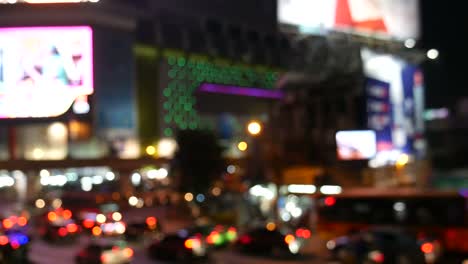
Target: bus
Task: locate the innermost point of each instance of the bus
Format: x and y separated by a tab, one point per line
436	214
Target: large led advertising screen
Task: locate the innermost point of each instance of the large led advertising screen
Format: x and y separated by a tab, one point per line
44	69
395	18
356	144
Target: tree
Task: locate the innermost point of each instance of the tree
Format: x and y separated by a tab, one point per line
198	160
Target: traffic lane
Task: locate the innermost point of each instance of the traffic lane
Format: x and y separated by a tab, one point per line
234	257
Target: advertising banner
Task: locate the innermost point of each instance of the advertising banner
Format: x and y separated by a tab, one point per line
379	112
44	69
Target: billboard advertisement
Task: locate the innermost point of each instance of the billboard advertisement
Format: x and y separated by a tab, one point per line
397	18
356	145
395	104
44	69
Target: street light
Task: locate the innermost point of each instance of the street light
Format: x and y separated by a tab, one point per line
254	128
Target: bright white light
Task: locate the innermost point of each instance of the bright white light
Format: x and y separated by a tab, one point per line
254	128
160	174
38	153
200	198
294	247
331	245
100	218
410	43
399	207
290	206
330	189
57	180
110	176
285	216
136	179
119	228
296	212
57	131
432	54
81	107
117	216
44	173
231	169
97	180
188	197
152	174
57	203
140	203
6	181
166	148
260	191
132	201
86	184
40	203
302	188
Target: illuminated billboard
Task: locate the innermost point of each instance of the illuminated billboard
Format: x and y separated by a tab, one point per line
43	70
356	144
394	18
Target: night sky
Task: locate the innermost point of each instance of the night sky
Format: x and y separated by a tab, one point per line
445	27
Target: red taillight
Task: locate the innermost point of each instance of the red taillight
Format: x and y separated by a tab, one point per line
15	244
88	223
67	214
62	231
128	252
245	239
7	223
377	256
289	239
330	201
427	248
151	222
72	228
3	240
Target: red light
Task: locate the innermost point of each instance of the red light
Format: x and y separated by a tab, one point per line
72	228
299	233
232	229
3	240
306	234
330	201
377	257
52	216
128	252
245	239
62	231
67	214
22	221
151	221
289	239
15	244
104	258
7	223
88	223
14	219
427	248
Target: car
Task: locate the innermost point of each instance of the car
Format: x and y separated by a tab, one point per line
14	247
180	247
58	226
216	236
150	227
105	253
272	242
383	246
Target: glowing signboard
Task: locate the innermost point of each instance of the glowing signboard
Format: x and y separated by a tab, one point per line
356	145
44	69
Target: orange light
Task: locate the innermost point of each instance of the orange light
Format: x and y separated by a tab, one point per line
67	214
190	243
104	259
88	223
151	221
427	248
3	240
96	231
52	216
22	221
289	239
7	223
72	228
128	252
62	231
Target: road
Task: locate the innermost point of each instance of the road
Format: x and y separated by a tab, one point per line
44	253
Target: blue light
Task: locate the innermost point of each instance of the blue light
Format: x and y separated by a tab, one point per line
19	238
200	198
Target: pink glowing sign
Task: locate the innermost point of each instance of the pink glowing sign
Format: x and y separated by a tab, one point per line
43	70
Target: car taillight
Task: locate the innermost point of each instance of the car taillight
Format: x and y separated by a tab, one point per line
66	214
151	222
330	201
88	223
52	216
3	240
62	231
22	221
191	243
289	239
427	248
97	231
7	223
15	244
303	233
128	252
72	228
245	239
377	256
